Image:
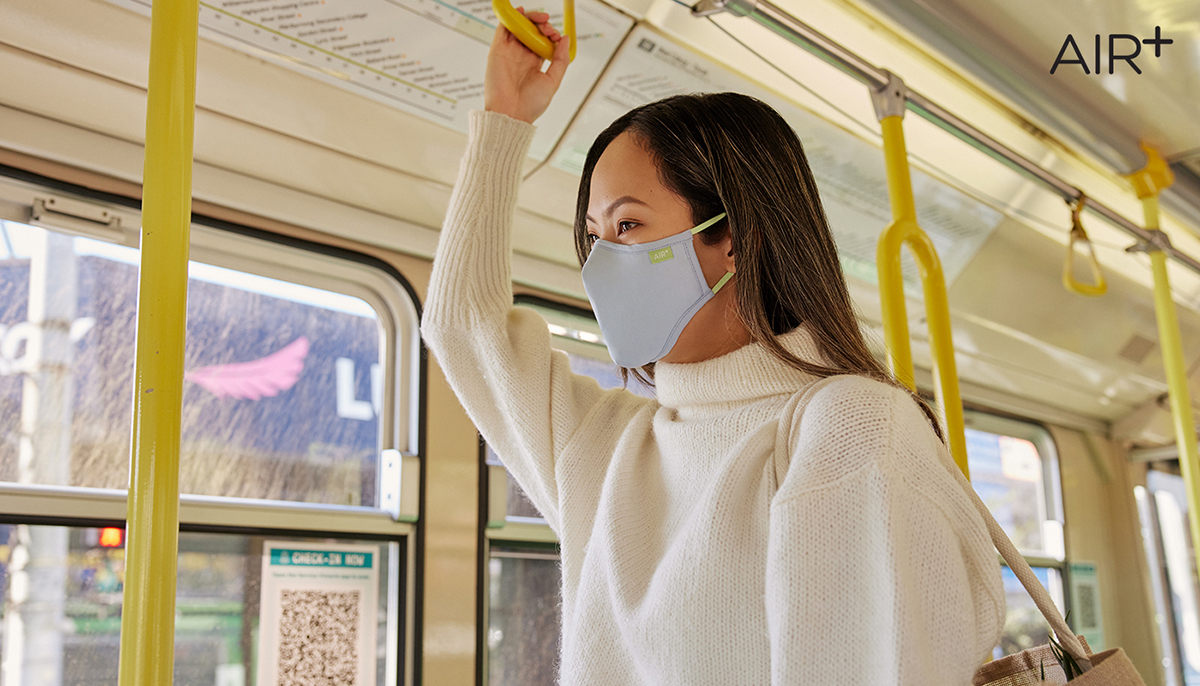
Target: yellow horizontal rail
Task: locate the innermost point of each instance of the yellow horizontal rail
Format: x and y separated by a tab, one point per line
526	32
148	614
905	230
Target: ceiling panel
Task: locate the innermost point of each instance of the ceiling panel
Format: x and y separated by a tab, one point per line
1012	45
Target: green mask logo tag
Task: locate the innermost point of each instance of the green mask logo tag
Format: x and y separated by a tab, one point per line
661	255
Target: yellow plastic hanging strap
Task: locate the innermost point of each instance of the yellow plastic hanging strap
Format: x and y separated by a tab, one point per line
1098	286
528	33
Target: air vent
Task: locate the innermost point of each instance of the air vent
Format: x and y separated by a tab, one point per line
1136	348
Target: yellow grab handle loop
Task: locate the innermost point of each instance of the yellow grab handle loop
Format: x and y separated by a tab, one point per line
527	32
1098	286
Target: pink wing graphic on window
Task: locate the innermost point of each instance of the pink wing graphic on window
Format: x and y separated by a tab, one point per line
264	377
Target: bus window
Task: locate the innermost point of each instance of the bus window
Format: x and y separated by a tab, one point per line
283	382
523	622
218	607
1024	626
1014	469
522	573
299	369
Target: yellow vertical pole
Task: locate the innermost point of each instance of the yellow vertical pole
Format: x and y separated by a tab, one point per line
148	614
1148	182
905	230
887	253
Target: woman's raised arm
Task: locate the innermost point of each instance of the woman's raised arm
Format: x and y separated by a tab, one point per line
521	394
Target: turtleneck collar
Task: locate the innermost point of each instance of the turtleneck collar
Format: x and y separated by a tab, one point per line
748	373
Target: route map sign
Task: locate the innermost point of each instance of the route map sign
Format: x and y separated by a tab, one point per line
426	57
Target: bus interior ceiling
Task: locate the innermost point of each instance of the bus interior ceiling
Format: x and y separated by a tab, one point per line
75	74
299	154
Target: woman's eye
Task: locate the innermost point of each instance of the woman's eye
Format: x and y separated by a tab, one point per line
624	226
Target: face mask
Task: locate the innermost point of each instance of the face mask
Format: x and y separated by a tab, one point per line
643	295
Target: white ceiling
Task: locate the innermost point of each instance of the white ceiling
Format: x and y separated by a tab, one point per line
1012	45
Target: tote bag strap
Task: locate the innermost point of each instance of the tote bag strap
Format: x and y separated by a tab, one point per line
1016	562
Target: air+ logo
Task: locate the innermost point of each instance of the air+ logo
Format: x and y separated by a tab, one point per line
661	255
1158	41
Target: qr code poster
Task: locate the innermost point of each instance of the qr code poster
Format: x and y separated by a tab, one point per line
317	626
1085	603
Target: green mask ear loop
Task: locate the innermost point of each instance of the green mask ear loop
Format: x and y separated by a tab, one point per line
724	279
708	223
701	227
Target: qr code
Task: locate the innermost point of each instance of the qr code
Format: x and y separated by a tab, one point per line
1087	605
318	638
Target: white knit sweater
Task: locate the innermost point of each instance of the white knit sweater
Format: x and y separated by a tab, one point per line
715	535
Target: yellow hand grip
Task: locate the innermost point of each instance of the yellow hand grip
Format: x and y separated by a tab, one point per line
528	33
1098	286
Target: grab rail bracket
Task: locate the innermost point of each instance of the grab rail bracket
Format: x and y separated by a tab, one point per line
738	8
1157	241
890	99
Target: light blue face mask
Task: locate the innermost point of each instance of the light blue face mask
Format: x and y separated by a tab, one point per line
643	295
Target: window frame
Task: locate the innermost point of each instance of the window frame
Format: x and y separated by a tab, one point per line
24	199
1043	440
1040	437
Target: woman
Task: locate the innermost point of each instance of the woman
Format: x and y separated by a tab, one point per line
783	512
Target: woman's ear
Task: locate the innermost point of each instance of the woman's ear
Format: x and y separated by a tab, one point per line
730	261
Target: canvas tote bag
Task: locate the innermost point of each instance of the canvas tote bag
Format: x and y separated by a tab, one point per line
1026	668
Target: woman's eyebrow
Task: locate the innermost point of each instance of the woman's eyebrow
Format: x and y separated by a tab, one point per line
623	200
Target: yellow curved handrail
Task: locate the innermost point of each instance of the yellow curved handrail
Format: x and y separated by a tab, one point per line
1098	286
527	33
902	230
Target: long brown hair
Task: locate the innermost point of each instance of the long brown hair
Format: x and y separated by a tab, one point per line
728	152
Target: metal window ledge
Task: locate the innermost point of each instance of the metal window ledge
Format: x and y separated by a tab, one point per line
516	530
109	505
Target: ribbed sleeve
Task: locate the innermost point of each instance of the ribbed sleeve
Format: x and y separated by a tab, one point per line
521	394
472	276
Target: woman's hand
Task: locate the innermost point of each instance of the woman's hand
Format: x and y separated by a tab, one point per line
514	84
